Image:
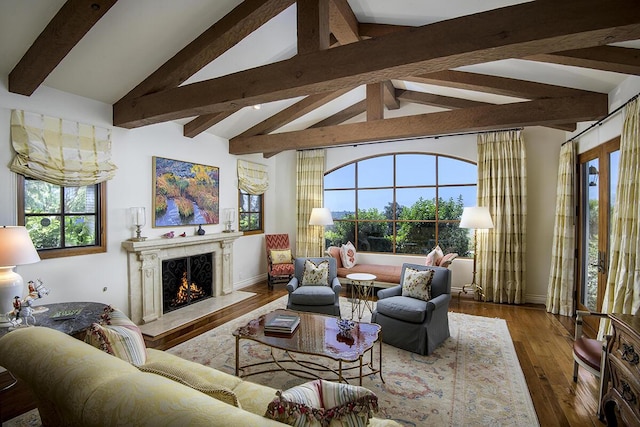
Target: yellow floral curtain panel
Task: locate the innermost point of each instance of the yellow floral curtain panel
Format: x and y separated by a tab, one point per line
622	293
61	152
253	178
310	189
502	179
562	274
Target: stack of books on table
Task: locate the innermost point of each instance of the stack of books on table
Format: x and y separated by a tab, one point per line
282	324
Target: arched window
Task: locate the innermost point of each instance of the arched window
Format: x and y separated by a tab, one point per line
401	203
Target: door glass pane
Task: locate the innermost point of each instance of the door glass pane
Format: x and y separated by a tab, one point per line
589	291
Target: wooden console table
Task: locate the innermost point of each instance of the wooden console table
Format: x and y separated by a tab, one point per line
623	365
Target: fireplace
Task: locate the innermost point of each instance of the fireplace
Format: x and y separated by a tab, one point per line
144	261
186	280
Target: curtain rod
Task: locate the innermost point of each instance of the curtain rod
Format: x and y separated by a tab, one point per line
417	137
602	120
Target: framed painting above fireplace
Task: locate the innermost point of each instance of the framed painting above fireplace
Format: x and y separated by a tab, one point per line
185	193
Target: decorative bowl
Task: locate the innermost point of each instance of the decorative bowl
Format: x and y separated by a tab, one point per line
345	326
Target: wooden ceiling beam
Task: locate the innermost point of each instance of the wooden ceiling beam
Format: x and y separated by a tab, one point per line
367	31
469	40
293	112
493	117
449	102
495	85
606	58
313	25
344	24
343	115
375	104
247	17
389	94
201	123
74	19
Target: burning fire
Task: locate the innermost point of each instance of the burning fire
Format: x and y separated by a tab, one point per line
187	292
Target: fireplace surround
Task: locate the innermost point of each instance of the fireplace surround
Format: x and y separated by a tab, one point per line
144	264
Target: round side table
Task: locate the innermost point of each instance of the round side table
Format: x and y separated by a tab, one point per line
361	293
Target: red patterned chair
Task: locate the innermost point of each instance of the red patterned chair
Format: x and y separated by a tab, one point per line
280	267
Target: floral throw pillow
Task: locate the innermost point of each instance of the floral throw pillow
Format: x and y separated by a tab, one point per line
280	256
315	274
117	335
348	255
434	257
323	403
417	283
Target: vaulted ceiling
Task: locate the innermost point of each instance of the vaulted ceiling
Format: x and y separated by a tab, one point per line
326	72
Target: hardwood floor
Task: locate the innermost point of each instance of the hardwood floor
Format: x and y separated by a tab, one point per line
542	342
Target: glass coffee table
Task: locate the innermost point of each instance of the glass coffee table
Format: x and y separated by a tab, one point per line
317	335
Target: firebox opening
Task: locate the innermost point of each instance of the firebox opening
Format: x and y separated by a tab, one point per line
186	281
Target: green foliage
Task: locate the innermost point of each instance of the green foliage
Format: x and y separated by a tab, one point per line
415	228
44	211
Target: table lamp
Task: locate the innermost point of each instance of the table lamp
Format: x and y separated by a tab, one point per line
321	217
16	248
475	218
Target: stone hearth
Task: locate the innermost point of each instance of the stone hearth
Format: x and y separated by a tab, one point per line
144	261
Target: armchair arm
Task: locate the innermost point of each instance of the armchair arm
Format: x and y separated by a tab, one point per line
292	285
390	292
582	313
336	286
441	300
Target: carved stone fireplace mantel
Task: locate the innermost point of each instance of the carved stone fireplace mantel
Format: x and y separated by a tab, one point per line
144	262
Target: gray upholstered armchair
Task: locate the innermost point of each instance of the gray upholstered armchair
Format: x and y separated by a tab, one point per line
314	298
413	324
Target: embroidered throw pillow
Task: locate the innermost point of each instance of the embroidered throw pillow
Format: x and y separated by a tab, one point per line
348	255
417	283
315	275
117	335
447	259
434	257
323	403
280	256
185	377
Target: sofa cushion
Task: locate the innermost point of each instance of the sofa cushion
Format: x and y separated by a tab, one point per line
383	273
403	308
434	257
313	295
348	255
322	403
447	259
280	256
117	335
334	251
188	378
417	283
315	274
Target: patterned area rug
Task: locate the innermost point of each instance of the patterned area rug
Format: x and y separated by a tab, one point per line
474	378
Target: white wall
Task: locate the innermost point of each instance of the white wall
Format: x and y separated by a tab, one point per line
83	278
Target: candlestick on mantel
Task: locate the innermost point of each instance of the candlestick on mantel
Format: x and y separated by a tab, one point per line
139	219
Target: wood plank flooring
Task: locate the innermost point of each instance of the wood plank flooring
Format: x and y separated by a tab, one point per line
542	342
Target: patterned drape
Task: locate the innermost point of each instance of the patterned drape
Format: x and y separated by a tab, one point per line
502	177
622	293
561	277
61	152
253	178
310	192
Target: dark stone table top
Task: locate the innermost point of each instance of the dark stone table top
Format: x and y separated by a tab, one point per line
75	326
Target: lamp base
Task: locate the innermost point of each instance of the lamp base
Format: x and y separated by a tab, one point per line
11	286
478	291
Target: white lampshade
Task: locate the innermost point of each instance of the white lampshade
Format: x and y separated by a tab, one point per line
320	216
476	217
16	248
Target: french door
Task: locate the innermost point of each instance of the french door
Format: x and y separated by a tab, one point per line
598	178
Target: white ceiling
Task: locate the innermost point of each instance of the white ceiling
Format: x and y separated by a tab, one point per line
135	37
